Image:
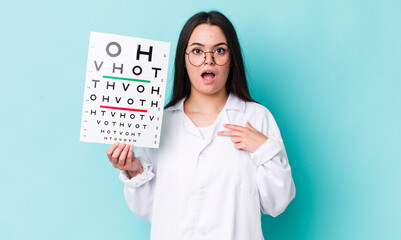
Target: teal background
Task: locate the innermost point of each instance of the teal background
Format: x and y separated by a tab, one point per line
329	71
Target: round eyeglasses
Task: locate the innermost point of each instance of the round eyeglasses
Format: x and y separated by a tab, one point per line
197	57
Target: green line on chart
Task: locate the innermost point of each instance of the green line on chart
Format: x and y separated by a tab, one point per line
128	79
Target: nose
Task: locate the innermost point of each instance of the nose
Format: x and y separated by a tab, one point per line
209	58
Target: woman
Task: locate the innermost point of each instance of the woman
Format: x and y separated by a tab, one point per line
221	157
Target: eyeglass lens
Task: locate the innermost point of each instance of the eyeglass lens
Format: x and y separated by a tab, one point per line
219	56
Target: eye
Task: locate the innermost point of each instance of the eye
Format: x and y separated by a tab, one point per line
196	51
220	51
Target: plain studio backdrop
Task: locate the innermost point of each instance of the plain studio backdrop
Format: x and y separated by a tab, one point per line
329	71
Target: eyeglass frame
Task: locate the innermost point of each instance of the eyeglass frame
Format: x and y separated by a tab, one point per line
204	54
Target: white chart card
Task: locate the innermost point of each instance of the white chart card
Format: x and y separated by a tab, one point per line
124	90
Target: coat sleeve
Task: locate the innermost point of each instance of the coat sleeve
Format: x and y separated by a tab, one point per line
138	191
274	180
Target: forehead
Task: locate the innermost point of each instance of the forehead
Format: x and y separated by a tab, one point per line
208	35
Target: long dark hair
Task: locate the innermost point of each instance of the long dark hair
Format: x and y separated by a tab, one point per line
236	81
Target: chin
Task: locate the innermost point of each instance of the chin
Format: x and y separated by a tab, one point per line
205	90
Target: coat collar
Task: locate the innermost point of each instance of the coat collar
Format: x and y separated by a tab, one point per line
233	103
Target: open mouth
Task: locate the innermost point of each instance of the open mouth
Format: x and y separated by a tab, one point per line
208	75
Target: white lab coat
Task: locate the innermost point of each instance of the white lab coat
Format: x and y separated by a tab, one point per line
196	188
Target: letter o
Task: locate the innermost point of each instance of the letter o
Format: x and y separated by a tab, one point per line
132	116
135	72
140	88
106	123
130	101
93	97
118	49
137	126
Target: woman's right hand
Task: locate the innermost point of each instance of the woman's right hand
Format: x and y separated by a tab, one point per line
122	157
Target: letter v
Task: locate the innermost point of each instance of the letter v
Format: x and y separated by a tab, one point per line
125	87
98	67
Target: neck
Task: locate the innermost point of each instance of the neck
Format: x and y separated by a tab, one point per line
206	103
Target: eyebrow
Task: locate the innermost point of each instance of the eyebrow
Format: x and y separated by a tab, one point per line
200	44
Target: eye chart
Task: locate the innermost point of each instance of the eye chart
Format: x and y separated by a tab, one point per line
124	90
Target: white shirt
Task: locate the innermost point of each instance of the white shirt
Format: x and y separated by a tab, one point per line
203	188
206	132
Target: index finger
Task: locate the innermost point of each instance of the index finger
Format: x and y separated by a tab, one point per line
234	127
111	149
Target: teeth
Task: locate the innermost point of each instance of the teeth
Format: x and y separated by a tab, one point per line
208	72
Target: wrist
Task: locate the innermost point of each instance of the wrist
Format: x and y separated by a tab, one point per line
133	173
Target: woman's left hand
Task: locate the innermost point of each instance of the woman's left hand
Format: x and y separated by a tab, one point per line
244	138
